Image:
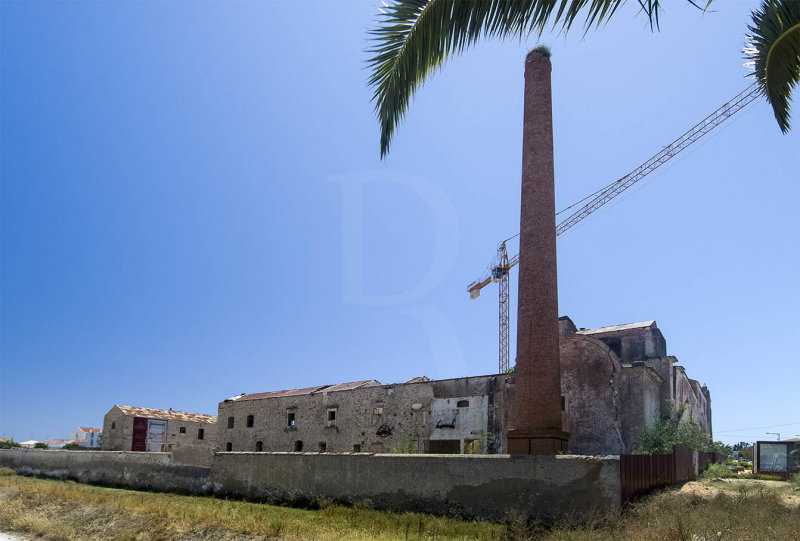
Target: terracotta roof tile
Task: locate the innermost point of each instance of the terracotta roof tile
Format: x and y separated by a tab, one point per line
168	414
308	390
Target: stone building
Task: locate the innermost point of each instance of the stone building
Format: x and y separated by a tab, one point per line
614	381
129	428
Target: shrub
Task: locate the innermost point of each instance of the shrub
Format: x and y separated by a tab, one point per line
716	471
761	477
9	444
405	446
40	445
795	479
659	438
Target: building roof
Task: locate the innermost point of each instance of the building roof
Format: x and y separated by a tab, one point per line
87	429
623	327
308	390
168	414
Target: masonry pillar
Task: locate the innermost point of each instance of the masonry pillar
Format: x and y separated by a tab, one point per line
537	409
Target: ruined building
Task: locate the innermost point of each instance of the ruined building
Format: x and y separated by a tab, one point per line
614	381
129	428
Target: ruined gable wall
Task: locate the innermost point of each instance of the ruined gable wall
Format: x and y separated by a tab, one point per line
120	437
641	401
590	381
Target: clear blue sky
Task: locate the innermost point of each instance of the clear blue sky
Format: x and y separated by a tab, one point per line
193	206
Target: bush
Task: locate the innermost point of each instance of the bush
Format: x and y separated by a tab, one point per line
40	445
717	471
795	479
659	438
9	444
761	477
405	446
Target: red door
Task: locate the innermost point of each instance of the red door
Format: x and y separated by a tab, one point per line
139	441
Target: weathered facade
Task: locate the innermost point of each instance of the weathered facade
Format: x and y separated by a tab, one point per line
614	381
128	428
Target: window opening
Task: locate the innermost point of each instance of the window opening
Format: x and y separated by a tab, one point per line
249	421
323	447
462	404
182	430
298	446
259	447
290	419
201	433
229	447
230	422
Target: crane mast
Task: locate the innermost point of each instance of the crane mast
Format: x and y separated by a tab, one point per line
500	272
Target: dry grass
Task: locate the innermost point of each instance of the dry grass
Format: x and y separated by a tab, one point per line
66	510
734	510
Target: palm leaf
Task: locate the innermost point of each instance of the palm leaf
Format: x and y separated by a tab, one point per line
775	52
414	37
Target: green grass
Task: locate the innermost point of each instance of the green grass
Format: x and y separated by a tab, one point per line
734	510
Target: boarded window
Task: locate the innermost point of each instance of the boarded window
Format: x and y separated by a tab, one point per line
182	430
229	447
298	446
463	404
230	422
444	447
323	447
250	421
259	447
201	433
290	419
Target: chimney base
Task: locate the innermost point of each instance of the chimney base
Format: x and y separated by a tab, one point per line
537	442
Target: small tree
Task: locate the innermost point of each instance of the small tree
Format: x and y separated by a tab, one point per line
747	452
722	449
40	445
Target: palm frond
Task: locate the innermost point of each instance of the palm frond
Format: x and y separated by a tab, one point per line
774	49
414	37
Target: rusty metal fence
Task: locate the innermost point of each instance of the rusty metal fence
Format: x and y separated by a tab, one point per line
642	474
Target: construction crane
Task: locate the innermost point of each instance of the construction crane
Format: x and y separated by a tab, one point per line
500	269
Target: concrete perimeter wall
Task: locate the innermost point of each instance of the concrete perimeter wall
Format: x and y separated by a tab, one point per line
483	486
152	471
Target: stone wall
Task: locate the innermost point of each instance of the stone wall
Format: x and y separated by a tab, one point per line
481	486
139	470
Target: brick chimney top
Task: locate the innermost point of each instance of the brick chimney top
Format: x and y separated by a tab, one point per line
538	51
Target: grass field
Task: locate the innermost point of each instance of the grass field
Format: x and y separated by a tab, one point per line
730	510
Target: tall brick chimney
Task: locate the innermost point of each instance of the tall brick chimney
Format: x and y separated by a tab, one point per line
537	407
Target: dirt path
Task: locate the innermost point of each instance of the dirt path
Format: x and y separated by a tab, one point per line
787	493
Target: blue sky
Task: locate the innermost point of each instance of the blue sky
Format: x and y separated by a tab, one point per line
193	206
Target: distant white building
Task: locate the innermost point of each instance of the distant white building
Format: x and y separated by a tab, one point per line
29	444
55	444
87	437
